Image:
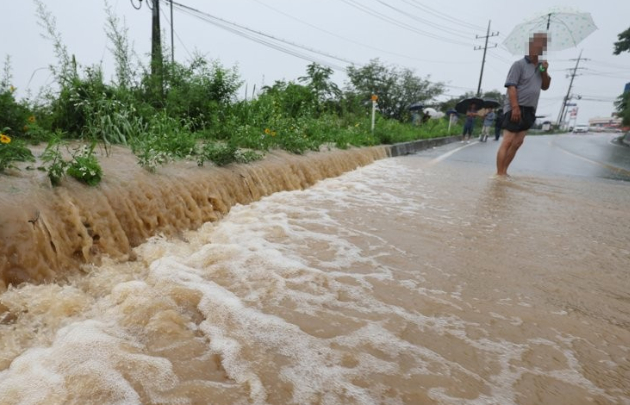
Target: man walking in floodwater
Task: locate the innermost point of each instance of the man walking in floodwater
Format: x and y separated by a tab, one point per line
524	81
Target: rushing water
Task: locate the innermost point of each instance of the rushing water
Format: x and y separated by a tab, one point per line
407	281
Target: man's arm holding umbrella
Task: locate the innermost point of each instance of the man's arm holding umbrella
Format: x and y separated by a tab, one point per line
546	79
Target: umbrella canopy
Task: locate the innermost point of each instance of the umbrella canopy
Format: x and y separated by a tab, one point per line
451	111
416	107
565	29
464	105
488	103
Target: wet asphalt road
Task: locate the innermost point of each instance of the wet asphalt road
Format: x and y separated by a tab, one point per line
592	155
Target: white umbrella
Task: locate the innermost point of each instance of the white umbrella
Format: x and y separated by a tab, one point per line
565	29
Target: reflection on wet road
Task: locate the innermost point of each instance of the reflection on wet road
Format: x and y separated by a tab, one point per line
584	155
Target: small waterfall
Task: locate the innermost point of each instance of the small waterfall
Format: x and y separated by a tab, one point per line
47	232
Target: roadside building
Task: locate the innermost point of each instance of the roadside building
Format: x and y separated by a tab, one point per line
601	124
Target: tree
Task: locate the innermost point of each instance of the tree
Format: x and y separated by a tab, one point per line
396	88
623	102
623	45
318	80
494	95
623	108
292	99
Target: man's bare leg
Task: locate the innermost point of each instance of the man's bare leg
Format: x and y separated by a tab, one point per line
511	142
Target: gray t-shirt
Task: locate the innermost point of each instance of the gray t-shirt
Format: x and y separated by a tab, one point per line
528	81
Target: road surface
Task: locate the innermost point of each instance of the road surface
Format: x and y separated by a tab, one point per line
587	155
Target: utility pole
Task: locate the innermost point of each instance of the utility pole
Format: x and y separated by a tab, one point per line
156	51
172	38
485	48
566	98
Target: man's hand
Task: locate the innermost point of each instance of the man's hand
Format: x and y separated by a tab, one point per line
515	115
545	65
546	79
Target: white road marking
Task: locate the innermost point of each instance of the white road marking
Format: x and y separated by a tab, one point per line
448	154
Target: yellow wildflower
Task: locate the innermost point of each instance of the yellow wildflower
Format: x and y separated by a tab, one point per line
31	119
12	89
267	131
273	133
4	139
25	128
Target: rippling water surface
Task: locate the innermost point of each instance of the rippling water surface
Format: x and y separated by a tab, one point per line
403	282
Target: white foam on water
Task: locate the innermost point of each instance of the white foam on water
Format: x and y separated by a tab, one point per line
309	290
82	351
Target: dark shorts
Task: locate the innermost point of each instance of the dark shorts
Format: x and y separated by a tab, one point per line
528	117
468	127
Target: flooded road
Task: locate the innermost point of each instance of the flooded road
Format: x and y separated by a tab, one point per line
413	280
592	155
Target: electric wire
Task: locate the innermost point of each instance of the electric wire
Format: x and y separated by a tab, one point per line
381	16
446	17
265	39
424	21
470	33
610	65
500	58
176	35
350	40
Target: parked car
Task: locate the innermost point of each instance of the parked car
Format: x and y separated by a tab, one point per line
583	128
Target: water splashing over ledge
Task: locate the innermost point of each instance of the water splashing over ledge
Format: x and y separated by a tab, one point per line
46	233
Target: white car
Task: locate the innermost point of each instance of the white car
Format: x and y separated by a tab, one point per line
580	128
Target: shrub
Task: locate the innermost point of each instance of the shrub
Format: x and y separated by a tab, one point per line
56	164
85	167
222	154
13	150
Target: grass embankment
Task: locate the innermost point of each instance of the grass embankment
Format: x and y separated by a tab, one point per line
196	118
165	111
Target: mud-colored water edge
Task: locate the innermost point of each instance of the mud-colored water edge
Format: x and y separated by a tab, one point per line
47	233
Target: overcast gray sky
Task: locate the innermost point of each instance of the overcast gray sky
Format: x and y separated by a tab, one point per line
434	38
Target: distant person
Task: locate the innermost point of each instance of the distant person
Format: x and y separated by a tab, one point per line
524	81
488	122
452	120
416	117
469	123
498	123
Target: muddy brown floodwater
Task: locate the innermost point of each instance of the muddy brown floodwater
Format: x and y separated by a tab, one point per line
406	281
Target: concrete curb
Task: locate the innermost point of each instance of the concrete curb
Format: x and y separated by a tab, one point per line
625	139
406	148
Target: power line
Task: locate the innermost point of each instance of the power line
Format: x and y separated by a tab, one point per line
500	58
383	17
350	40
265	39
446	17
178	38
422	20
611	65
